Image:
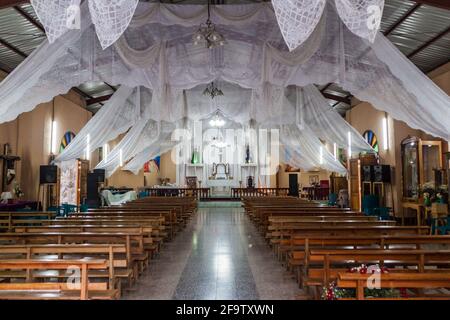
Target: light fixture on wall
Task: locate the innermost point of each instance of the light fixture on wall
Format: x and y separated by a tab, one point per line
321	155
207	34
105	152
88	147
385	133
335	151
53	138
349	141
217	121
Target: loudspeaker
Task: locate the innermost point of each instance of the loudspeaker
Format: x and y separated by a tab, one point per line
367	173
100	174
48	174
93	199
382	173
293	185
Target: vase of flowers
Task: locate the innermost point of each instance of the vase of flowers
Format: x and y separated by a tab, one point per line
332	292
18	193
426	199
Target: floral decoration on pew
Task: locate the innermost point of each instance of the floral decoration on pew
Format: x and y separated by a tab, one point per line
332	292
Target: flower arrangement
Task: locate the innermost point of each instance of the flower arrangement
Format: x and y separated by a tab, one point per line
332	292
18	191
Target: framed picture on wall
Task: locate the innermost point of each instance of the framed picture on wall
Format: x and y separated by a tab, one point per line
314	179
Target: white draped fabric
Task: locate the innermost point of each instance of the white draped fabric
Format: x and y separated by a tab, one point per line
326	124
298	18
145	132
120	113
156	52
162	76
110	17
305	151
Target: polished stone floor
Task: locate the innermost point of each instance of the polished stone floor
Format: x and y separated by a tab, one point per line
220	255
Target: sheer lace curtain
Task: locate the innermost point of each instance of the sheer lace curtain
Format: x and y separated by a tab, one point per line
161	72
156	52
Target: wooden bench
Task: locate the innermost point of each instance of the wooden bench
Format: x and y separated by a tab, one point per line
115	254
324	264
134	242
398	280
32	290
8	220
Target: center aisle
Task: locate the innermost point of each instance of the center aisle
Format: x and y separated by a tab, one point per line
220	255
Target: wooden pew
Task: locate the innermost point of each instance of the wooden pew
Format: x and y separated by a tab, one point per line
8	220
32	290
418	281
134	242
115	254
325	264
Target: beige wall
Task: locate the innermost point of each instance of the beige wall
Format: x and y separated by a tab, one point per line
128	179
364	116
29	136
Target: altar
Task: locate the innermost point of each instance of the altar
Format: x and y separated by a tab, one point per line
222	185
221	179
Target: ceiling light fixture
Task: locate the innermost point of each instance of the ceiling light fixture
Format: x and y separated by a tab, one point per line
212	91
217	121
207	34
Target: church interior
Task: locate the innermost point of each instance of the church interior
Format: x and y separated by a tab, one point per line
224	150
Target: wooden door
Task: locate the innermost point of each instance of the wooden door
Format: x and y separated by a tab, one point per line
354	181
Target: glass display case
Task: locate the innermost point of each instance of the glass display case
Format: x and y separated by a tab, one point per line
421	161
410	167
430	152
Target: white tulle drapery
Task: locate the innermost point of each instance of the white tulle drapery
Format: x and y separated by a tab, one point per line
326	124
298	18
110	17
156	52
120	113
145	132
305	151
161	146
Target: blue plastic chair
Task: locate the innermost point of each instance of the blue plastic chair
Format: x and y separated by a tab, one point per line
332	199
441	229
369	204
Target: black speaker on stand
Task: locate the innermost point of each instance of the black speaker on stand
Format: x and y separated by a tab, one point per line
382	173
94	179
293	185
48	176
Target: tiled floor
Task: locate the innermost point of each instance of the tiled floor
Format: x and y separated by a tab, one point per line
219	255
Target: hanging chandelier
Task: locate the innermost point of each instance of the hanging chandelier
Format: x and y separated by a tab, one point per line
212	91
217	121
207	34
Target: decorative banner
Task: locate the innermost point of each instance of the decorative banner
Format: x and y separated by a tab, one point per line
68	182
66	139
371	139
153	165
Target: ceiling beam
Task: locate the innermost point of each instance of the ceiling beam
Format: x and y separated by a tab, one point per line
92	100
12	48
429	42
337	98
326	87
402	18
30	19
443	4
11	3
